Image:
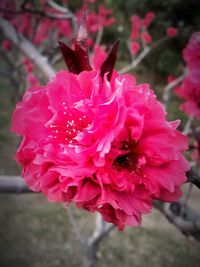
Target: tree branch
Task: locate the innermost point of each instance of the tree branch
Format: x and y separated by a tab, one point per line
136	61
42	13
75	228
13	184
26	48
102	229
58	8
168	88
183	217
142	55
99	36
187	128
65	11
193	178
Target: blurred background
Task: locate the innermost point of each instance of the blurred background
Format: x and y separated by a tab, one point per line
36	233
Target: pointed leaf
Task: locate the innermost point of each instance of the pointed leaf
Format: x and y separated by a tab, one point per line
109	64
70	58
81	47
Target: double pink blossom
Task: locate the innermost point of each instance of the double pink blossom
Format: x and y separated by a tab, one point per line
104	145
95	138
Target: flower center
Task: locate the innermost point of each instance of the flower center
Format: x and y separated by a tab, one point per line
128	162
68	125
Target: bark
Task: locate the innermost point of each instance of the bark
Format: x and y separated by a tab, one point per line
13	184
27	48
182	217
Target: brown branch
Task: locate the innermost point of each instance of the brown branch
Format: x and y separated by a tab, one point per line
168	88
27	48
181	216
65	11
102	229
75	227
42	13
142	55
136	61
13	184
193	178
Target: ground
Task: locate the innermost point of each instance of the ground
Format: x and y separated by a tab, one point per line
36	233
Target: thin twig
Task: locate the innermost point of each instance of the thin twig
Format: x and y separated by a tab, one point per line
188	125
136	61
188	194
75	227
183	217
13	184
27	48
67	11
142	55
57	7
102	228
193	177
99	36
168	88
42	13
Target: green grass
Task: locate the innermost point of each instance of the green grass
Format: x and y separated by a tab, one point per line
37	233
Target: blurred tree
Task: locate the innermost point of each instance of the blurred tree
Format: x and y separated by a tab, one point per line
178	13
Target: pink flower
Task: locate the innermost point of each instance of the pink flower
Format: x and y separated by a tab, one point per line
196	148
135	20
190	88
109	22
63	28
150	16
95	143
95	138
170	78
135	47
42	32
92	22
171	31
101	19
146	37
6	45
23	23
28	65
90	42
190	91
98	57
191	53
32	80
148	19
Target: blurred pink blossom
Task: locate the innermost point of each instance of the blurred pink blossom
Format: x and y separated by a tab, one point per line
171	31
